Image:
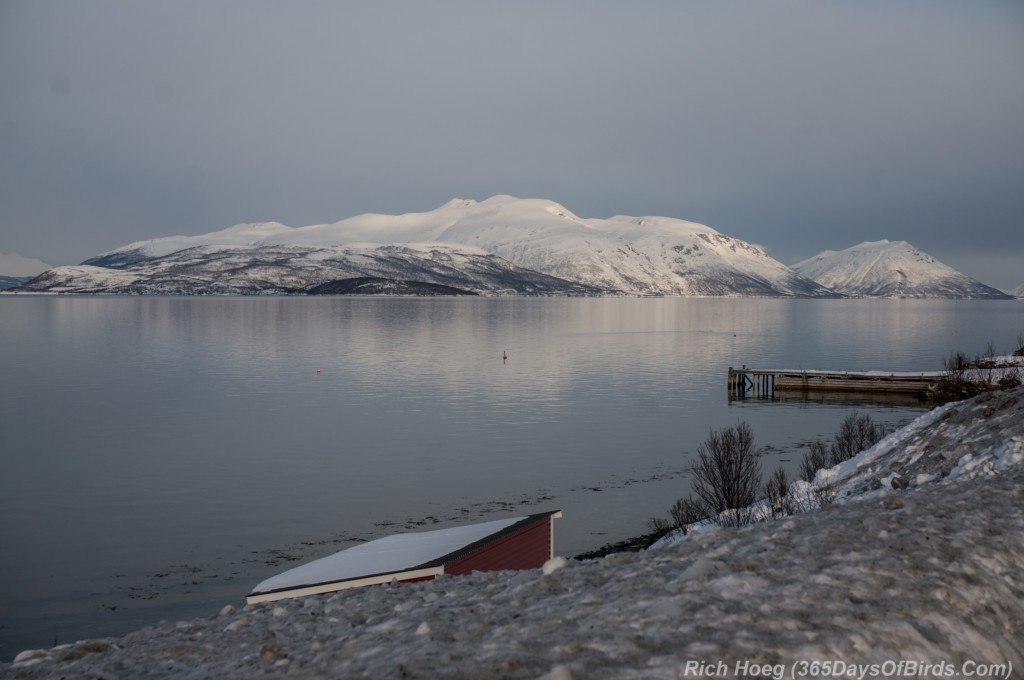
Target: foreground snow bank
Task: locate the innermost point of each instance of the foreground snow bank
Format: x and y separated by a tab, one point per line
930	574
954	442
980	437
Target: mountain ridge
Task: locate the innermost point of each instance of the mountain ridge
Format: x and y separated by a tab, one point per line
289	270
647	255
15	266
511	244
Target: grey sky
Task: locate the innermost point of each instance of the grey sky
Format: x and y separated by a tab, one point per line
798	126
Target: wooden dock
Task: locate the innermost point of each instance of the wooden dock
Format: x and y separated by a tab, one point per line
762	383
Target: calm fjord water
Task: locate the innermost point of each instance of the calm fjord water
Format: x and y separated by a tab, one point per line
160	456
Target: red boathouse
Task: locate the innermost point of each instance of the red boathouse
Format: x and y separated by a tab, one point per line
513	543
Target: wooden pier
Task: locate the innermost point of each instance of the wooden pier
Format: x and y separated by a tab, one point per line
762	383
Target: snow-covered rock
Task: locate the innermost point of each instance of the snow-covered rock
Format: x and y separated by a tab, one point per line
891	269
633	255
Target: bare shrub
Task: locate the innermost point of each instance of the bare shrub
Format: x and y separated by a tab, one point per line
1011	378
856	433
825	495
815	459
727	475
777	494
1012	375
659	526
682	514
964	377
958	363
687	511
954	383
985	366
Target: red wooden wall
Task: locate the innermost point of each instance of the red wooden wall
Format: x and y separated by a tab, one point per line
526	548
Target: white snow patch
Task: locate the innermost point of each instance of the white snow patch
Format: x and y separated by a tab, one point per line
554	564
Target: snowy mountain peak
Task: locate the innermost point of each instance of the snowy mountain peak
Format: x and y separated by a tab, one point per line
237	235
559	211
893	269
458	203
16	269
647	255
255	228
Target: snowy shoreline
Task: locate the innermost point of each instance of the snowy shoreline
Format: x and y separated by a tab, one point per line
931	574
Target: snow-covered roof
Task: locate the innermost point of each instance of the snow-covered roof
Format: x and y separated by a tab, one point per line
391	554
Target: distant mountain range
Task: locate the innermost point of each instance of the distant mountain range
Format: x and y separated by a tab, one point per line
502	245
8	282
890	269
263	269
16	270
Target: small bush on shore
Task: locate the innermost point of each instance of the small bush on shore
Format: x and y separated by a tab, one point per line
687	511
858	432
682	514
659	526
727	475
964	377
726	481
815	459
777	494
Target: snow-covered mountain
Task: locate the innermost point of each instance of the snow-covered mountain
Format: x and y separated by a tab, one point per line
8	282
1017	292
14	265
633	255
425	269
891	269
16	269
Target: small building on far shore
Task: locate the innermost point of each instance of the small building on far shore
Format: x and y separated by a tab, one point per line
512	543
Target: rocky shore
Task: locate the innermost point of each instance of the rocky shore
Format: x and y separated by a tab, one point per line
930	576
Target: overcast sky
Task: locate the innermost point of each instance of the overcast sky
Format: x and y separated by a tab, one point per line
798	126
